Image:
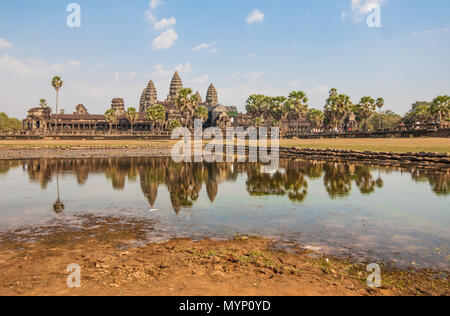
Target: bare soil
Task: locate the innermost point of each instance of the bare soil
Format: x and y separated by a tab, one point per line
113	263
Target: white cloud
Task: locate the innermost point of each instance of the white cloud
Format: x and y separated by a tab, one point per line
318	90
131	75
430	32
116	77
207	46
200	80
250	76
361	8
165	23
166	40
295	84
160	72
98	65
237	74
29	67
343	15
255	17
74	64
251	55
253	76
153	4
5	44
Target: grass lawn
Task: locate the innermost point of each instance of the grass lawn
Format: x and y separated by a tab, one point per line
399	145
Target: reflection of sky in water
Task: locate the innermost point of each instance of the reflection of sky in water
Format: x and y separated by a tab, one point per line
404	221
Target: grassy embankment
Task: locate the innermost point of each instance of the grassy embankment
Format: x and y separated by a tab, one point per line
400	145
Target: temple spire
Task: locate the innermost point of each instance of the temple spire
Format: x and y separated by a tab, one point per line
175	86
149	97
211	96
199	97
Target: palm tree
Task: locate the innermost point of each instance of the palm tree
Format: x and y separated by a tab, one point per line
380	104
201	113
316	117
187	103
57	84
337	108
174	124
43	103
365	109
441	106
156	114
297	106
111	118
258	106
132	116
252	105
277	110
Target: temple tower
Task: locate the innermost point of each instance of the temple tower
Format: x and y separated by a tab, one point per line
175	86
149	97
142	102
118	105
199	97
211	96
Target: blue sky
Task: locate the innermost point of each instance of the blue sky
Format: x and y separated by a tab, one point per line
242	46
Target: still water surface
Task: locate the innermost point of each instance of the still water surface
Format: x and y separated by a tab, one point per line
377	214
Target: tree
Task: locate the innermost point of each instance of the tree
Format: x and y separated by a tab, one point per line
157	114
277	110
420	113
380	105
337	108
187	103
201	113
9	124
111	118
365	109
174	124
441	106
388	120
297	106
57	83
316	118
258	106
43	103
132	116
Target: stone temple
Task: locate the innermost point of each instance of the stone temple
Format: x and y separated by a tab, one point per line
42	118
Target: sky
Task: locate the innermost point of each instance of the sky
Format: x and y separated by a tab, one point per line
242	46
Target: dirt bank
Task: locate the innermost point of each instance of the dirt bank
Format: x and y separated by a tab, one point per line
423	160
86	151
113	262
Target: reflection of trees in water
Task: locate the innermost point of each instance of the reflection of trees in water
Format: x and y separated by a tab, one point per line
364	179
184	181
291	182
6	165
440	182
337	180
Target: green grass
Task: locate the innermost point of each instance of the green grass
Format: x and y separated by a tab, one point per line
398	145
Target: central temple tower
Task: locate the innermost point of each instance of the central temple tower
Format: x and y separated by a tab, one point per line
175	86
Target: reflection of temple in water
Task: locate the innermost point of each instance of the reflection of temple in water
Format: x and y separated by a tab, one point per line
185	181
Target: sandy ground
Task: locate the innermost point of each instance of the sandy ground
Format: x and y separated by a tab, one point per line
112	264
